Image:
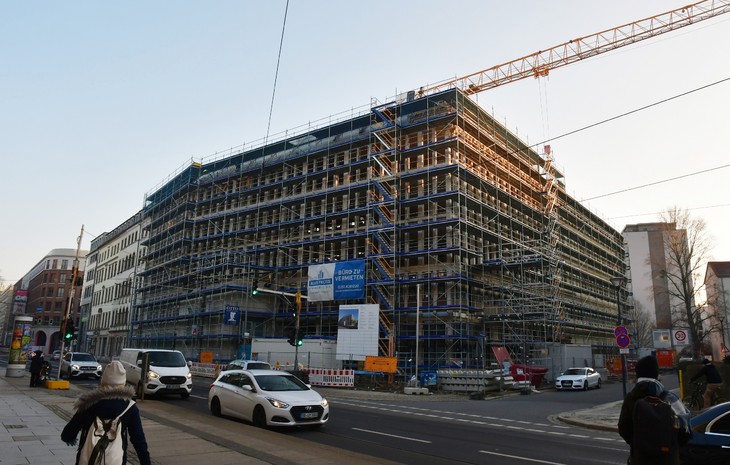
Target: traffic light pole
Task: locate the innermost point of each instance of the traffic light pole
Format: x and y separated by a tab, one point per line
67	316
298	296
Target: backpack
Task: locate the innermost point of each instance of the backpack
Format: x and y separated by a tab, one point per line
103	443
656	427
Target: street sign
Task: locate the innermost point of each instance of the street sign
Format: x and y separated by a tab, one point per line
620	330
680	337
623	340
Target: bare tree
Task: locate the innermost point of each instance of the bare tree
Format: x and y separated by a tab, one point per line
643	325
687	246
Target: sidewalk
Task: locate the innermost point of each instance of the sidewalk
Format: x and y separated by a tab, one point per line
32	420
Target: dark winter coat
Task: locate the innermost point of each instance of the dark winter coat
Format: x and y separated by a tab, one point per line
107	402
36	364
642	389
709	371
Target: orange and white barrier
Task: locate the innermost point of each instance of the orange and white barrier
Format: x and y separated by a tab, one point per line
331	378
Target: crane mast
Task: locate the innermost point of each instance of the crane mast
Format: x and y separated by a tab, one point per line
542	62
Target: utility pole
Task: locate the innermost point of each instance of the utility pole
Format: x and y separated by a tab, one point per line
70	298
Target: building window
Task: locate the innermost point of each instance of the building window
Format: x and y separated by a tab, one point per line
60	292
62	278
64	264
55	264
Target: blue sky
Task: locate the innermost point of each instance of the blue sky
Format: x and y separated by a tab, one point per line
102	101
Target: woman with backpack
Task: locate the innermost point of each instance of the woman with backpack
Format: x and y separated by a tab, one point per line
110	404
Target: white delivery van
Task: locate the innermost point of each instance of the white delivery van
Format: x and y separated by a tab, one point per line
168	373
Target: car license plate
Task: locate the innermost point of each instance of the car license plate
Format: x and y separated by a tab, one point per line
172	386
309	415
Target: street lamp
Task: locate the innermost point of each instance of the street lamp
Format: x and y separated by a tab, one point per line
617	282
722	332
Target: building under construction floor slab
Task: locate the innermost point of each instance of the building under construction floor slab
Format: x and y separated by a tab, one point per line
434	194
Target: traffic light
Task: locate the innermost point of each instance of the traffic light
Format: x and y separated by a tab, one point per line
255	288
69	330
299	340
292	337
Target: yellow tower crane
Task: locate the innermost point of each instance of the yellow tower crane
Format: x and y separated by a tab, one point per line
542	62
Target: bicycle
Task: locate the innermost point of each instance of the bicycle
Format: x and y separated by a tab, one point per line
695	401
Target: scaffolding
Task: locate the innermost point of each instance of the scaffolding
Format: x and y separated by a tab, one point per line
429	190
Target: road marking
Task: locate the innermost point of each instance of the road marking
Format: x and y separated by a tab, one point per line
520	458
504	422
391	435
200	397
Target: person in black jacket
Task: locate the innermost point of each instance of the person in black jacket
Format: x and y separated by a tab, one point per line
647	384
107	402
713	378
36	366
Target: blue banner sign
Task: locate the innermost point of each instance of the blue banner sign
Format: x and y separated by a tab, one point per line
336	281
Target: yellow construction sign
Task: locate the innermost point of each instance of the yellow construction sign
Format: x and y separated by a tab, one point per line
384	364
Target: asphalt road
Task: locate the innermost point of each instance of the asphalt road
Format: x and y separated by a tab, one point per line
510	430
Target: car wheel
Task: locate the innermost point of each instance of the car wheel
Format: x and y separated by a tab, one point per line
598	384
259	417
215	407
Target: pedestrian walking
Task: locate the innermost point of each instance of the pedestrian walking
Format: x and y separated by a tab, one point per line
110	400
36	366
653	421
714	381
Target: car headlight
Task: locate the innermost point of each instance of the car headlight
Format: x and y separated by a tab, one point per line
98	368
277	403
189	375
74	367
324	402
153	375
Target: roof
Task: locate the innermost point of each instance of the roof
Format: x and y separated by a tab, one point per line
720	269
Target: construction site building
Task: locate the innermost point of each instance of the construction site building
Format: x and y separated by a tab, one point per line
431	191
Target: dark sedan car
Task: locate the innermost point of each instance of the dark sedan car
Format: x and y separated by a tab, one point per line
710	443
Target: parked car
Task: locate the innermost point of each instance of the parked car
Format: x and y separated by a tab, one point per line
710	442
267	398
578	378
56	355
77	364
241	364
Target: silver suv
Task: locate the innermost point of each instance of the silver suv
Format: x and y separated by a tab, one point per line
77	364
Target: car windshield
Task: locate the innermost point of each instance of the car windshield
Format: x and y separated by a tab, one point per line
167	359
258	366
280	383
575	371
83	358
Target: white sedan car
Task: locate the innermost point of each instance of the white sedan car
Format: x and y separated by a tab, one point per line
578	378
267	398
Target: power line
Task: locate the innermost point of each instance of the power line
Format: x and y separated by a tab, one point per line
723	205
656	182
276	74
636	110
